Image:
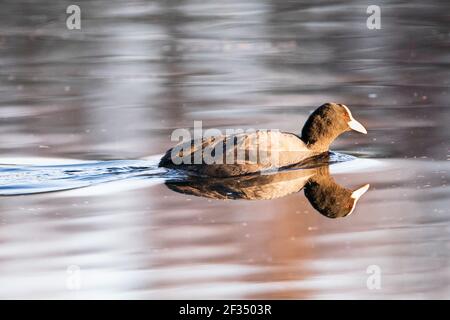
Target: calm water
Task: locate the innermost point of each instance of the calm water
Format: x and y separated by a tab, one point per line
101	104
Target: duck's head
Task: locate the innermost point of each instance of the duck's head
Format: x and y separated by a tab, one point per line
326	123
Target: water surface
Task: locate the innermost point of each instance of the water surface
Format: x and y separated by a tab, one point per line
115	91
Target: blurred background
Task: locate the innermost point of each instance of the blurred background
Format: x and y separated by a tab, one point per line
137	70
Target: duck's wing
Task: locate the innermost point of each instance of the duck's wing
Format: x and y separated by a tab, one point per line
237	154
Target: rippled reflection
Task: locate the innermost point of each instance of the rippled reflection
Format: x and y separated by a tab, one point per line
324	194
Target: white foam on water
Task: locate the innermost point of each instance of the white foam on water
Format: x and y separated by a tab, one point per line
358	165
111	187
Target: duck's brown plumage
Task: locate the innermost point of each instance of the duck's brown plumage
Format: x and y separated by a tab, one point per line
281	149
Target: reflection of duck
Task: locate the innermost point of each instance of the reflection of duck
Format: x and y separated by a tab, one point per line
280	149
324	194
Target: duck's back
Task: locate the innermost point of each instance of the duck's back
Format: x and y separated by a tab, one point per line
237	154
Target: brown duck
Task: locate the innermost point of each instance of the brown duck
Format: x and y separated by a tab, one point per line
324	194
262	150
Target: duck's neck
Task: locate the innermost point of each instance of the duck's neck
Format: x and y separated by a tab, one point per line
318	142
319	132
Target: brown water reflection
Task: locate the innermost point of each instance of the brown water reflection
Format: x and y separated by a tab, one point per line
117	89
324	194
